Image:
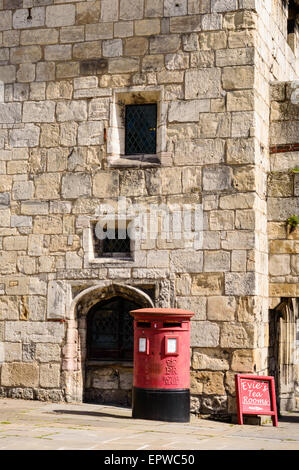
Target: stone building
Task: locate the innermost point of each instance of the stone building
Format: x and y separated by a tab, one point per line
188	106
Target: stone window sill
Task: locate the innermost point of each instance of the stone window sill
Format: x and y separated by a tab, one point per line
111	260
133	161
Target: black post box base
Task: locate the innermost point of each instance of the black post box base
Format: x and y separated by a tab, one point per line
161	405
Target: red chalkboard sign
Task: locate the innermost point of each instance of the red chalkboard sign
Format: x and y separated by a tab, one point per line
256	396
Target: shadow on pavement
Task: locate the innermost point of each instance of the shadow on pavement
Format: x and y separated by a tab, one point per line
292	417
91	413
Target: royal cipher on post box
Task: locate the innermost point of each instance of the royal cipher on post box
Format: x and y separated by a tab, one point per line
161	385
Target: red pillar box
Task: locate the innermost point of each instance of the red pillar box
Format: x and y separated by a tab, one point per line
161	386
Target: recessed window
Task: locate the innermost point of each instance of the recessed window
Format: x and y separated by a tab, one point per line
141	129
112	241
137	127
292	25
110	330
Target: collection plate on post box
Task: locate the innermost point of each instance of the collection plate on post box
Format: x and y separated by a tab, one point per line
256	396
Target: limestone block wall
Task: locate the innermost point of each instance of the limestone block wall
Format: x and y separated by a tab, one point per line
283	192
68	68
282	204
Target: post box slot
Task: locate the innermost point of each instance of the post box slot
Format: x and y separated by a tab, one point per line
144	324
172	324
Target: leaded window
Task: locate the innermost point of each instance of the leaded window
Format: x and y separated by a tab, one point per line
116	244
110	330
141	129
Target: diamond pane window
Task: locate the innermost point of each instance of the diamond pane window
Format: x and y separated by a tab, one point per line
117	244
141	129
110	330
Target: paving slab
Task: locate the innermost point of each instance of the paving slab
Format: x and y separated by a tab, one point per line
33	425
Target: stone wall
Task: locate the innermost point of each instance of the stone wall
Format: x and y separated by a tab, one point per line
283	195
68	68
283	183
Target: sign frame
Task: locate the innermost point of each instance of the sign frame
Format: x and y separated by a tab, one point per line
240	409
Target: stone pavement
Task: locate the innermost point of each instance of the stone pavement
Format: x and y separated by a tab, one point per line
33	425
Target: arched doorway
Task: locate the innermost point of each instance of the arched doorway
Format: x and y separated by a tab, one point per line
283	353
109	359
79	384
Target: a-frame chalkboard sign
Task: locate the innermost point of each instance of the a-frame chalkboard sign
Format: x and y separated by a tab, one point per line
255	395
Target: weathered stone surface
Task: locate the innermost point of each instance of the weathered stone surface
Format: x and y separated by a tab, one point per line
202	83
105	379
211	383
22	190
36	332
39	36
123	65
5	20
13	352
26	54
136	46
74	186
88	50
91	133
236	335
73	111
186	24
41	111
47	225
19	374
207	284
47	186
204	334
215	261
199	152
164	44
279	265
224	5
194	304
50	375
60	15
187	111
10	113
235	78
59	90
186	261
240	284
27	136
131	9
47	352
202	361
221	308
105	183
20	18
243	361
9	308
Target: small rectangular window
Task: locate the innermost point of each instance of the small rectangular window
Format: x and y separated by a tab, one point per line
141	129
116	244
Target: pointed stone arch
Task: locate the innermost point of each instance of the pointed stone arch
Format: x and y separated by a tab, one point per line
283	352
89	297
74	351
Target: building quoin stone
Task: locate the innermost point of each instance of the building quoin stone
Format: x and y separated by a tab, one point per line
149	156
